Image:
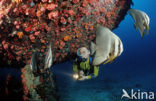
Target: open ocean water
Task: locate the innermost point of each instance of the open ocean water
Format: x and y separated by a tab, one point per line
134	69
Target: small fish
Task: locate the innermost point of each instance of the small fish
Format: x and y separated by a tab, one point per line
141	19
108	46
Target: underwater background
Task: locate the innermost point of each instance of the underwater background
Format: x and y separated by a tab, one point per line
134	69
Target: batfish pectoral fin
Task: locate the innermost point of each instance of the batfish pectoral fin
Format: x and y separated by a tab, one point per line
93	48
141	32
135	26
147	27
110	60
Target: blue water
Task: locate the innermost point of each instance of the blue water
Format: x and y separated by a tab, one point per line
134	69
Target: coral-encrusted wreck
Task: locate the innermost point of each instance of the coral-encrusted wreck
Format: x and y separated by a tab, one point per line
28	25
38	88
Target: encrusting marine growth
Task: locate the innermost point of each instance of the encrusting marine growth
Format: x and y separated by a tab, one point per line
28	25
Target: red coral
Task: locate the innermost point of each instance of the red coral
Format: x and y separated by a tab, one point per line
44	1
37	33
62	44
75	1
32	38
71	12
5	46
51	6
62	22
38	13
24	82
29	28
53	14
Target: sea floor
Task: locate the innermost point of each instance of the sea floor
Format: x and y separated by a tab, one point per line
107	86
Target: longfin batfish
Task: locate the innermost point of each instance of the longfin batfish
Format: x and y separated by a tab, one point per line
108	46
33	63
141	19
48	58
